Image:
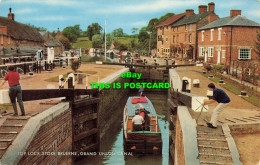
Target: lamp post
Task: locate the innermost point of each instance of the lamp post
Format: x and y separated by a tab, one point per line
149	44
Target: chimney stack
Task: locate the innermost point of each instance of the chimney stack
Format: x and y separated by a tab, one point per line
203	9
189	12
211	6
10	14
235	13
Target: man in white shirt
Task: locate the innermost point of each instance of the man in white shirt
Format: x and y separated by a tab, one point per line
137	121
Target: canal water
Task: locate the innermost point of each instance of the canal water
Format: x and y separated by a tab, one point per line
112	149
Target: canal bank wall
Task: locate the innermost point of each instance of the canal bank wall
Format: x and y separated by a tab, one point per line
42	138
111	99
47	137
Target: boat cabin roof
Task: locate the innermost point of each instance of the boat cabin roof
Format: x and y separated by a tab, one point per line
148	106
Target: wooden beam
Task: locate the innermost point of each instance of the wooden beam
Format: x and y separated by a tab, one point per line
85	134
82	119
86	102
39	94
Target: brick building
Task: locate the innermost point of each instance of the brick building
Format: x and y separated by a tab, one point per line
51	42
164	35
182	36
15	34
59	36
228	39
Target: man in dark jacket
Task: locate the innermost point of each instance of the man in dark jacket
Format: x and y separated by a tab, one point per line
218	96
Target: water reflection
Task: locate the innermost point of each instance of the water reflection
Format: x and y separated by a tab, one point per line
113	142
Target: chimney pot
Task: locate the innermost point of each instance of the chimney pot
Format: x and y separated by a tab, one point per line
189	12
211	6
203	8
10	14
235	13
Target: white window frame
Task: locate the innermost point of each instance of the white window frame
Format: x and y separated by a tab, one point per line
239	54
201	52
210	51
223	53
9	40
202	35
2	39
190	37
211	34
219	33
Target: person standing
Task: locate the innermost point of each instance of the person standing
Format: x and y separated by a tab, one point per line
15	89
223	100
141	91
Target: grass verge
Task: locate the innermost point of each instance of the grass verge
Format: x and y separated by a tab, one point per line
236	90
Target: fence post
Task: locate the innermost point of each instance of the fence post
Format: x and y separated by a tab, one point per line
24	68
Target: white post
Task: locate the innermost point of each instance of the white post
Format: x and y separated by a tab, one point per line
105	42
86	81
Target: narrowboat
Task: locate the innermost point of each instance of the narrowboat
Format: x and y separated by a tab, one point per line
147	140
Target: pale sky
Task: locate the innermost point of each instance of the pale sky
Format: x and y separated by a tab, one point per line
126	14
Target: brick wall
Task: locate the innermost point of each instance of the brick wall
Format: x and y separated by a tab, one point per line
179	146
3	37
54	136
242	37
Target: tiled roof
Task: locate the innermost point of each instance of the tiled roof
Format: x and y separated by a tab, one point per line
20	31
191	19
231	21
172	19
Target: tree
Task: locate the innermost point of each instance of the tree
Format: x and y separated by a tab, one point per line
118	32
53	33
72	33
66	44
93	29
39	29
257	45
134	30
165	17
97	41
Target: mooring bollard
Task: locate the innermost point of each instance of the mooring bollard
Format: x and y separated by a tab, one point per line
196	83
221	81
211	76
243	93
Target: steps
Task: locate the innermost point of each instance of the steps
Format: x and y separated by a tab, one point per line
9	129
213	147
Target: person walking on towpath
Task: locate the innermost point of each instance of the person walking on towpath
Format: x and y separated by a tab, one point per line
223	100
15	89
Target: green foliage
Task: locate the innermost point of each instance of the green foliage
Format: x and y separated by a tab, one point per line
219	68
72	32
75	64
165	17
118	32
39	29
134	30
235	88
93	29
82	42
97	41
53	33
86	58
66	44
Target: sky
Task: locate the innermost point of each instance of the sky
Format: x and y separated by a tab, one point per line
125	14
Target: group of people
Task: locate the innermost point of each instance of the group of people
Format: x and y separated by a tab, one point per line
219	96
141	120
15	90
